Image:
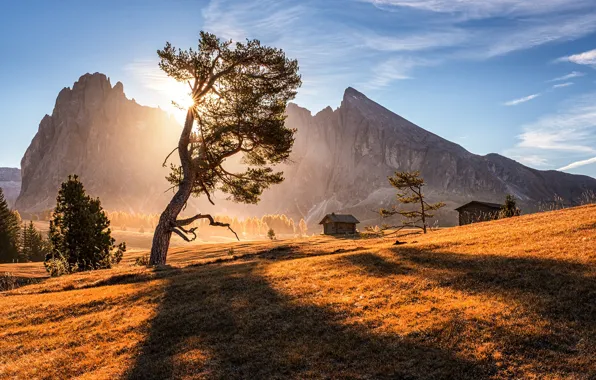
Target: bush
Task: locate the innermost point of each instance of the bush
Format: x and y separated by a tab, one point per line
8	282
58	266
142	261
271	234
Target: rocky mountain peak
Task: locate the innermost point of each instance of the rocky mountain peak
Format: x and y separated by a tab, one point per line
111	142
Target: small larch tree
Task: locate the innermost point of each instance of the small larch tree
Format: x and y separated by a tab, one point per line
409	186
239	95
9	232
79	231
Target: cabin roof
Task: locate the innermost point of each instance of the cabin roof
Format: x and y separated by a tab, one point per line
487	204
339	218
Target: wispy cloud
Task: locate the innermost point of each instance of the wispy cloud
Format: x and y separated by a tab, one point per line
573	74
531	160
489	8
560	85
414	42
396	68
585	58
515	102
571	130
578	164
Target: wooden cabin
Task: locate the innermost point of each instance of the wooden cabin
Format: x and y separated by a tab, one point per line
476	211
337	224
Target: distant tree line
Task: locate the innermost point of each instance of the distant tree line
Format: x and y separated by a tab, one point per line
19	242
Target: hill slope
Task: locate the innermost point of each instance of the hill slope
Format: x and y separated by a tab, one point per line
505	299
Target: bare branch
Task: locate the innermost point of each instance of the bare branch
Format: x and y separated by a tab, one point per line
168	156
212	222
181	232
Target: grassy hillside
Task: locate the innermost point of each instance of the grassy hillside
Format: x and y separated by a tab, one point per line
505	299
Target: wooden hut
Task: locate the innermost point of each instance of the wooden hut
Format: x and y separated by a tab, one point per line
477	211
337	224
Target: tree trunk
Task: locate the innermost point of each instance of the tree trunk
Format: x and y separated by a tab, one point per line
422	209
167	220
163	231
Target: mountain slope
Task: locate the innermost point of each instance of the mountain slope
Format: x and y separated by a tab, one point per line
342	158
10	183
114	144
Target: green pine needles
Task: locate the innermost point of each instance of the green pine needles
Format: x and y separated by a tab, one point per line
79	233
9	232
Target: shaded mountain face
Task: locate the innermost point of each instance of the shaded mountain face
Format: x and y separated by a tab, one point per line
114	144
10	183
341	160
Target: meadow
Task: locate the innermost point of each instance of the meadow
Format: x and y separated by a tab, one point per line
512	298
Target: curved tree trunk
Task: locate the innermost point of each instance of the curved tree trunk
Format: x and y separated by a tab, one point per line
167	220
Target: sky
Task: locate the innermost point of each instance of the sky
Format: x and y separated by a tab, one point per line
514	77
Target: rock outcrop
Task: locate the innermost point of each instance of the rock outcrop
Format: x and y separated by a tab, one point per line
10	183
114	144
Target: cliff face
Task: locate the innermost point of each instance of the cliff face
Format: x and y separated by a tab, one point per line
342	158
115	145
10	183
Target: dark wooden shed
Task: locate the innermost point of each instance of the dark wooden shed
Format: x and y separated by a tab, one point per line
337	224
477	211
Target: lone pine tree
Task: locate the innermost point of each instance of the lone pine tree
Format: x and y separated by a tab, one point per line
409	186
9	232
79	231
239	93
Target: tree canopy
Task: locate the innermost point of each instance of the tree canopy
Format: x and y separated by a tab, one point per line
239	93
9	232
79	232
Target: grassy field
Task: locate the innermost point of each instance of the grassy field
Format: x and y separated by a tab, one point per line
504	299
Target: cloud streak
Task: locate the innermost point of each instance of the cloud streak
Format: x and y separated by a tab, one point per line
561	85
571	75
585	58
515	102
578	164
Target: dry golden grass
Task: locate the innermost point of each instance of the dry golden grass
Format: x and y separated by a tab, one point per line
505	299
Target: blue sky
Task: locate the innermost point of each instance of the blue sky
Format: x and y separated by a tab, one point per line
515	77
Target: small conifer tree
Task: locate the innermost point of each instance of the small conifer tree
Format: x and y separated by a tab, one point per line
79	231
33	246
9	232
510	208
409	186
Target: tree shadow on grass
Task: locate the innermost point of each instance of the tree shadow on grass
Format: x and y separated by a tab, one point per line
376	265
561	290
229	322
561	293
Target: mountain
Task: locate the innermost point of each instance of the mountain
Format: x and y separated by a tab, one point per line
341	160
339	163
114	144
10	183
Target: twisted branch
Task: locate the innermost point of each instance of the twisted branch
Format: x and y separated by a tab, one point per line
185	222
